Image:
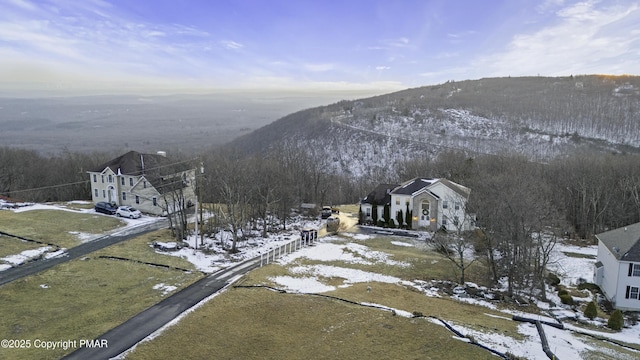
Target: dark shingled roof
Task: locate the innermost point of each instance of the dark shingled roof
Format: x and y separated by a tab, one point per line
623	243
132	163
380	195
413	185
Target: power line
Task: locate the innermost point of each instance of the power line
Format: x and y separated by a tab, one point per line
87	181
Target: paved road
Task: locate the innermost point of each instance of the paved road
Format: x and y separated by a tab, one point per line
134	330
78	251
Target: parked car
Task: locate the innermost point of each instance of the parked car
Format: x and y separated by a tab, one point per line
105	208
326	212
128	211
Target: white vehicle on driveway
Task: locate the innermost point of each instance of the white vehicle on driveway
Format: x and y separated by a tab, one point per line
128	211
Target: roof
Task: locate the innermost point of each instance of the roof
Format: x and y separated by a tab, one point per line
134	163
623	243
157	169
380	195
412	186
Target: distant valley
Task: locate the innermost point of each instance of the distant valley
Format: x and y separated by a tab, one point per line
177	123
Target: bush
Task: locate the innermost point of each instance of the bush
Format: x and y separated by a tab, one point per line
566	299
591	311
616	320
553	279
380	223
562	292
589	286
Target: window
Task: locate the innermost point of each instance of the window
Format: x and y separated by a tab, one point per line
130	181
425	210
95	178
455	221
634	269
110	178
104	193
457	206
397	201
155	201
407	202
122	182
124	196
632	293
445	204
368	212
444	221
102	176
95	192
137	199
144	184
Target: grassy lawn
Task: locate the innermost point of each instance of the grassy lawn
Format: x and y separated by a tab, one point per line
80	299
139	249
12	246
54	226
290	326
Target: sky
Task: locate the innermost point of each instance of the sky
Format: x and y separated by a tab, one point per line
379	46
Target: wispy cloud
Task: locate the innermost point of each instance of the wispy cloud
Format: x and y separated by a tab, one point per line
586	37
232	45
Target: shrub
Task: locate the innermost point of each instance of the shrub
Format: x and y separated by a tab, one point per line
562	292
616	320
553	279
591	311
589	286
380	223
566	299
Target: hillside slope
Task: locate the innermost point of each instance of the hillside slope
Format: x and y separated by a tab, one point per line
539	117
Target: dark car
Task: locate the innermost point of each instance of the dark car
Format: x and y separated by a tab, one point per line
326	212
105	208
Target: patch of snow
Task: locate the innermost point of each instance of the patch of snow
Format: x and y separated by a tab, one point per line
302	284
25	256
400	243
166	289
44	286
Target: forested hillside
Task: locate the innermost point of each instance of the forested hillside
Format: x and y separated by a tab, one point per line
538	117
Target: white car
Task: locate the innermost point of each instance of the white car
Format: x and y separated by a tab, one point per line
128	211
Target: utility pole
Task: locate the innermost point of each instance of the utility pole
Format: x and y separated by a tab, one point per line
202	223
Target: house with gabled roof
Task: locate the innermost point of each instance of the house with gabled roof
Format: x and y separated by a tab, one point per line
378	198
617	268
151	183
432	204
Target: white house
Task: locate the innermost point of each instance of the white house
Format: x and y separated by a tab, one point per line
432	204
617	269
150	183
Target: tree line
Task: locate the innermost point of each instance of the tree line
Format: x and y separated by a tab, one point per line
588	193
522	207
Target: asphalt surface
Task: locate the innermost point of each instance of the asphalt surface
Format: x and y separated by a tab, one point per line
134	330
34	267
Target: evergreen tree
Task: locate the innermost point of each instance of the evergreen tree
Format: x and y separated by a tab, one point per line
616	320
591	311
400	218
374	213
386	214
360	216
408	217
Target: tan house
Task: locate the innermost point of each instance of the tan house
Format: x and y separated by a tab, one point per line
150	183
